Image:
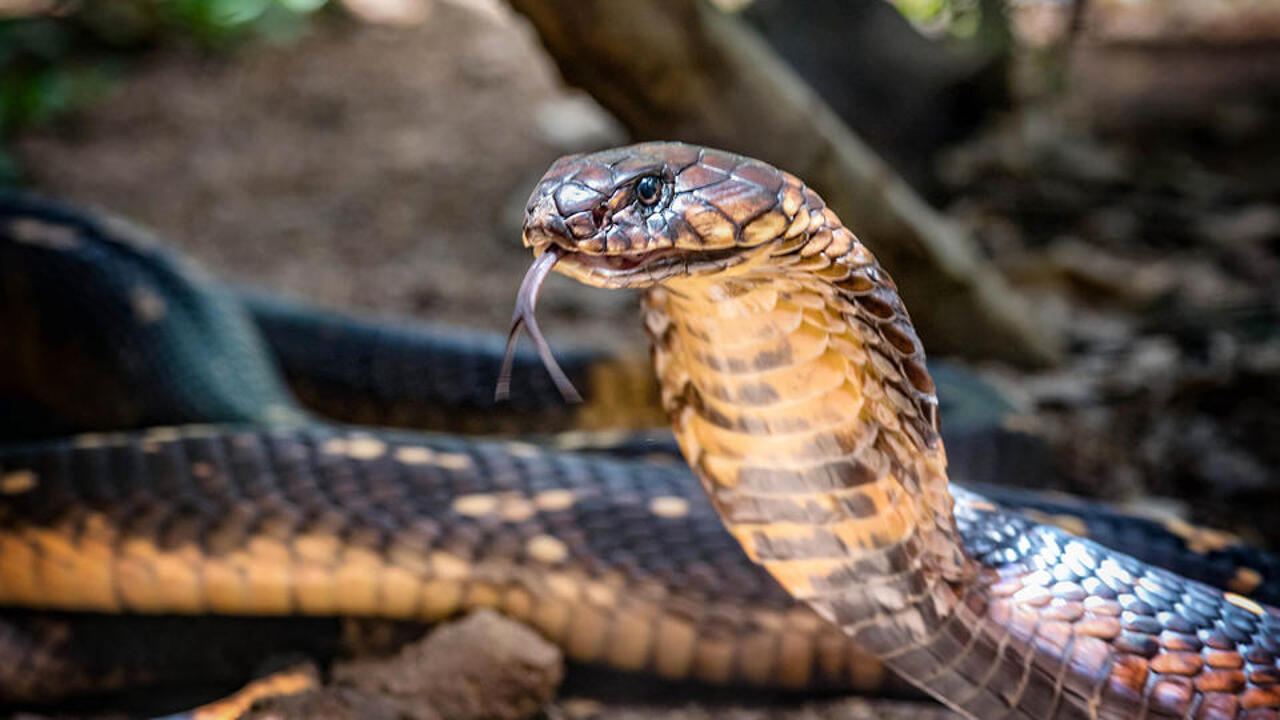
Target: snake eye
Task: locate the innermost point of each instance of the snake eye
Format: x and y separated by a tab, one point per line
649	189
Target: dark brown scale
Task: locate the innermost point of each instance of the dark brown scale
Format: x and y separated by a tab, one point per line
1140	623
875	305
902	340
583	224
1262	699
1136	644
1171	697
1258	656
1178	663
917	376
1173	640
574	198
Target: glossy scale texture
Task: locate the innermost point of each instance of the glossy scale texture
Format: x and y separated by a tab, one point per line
797	390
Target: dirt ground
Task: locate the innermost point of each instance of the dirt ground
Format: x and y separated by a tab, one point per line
376	168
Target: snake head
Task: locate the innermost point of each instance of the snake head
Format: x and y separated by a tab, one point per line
638	215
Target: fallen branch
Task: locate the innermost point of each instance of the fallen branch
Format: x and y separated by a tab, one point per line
679	69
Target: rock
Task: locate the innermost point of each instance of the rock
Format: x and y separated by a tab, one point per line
484	666
391	12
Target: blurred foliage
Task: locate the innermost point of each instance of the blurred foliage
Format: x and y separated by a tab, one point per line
224	20
955	18
52	63
40	75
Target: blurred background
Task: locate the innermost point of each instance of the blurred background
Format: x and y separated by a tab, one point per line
1080	199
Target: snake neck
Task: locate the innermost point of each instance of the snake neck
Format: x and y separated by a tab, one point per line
797	390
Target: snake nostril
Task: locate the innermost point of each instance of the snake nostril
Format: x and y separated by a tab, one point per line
581	224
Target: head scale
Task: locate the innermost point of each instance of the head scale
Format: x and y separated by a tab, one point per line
637	215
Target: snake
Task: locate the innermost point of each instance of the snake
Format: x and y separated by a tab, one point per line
798	392
271	516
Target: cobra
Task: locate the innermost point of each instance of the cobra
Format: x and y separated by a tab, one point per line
798	393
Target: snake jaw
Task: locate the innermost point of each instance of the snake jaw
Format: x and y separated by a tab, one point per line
625	270
635	269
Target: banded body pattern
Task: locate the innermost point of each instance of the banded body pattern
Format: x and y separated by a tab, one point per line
620	563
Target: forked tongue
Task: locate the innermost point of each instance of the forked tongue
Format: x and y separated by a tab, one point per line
526	303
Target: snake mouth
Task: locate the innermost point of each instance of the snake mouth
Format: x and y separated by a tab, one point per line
635	268
621	264
627	269
639	269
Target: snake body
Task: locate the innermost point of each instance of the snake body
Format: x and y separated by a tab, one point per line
798	393
112	330
371	373
302	519
620	563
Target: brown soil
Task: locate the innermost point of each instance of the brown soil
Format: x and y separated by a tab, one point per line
365	167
